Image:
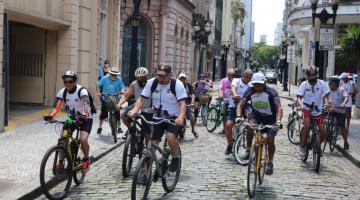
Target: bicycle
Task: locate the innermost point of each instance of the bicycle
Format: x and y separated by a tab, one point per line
332	131
134	145
239	140
313	142
62	161
215	116
143	173
110	101
294	124
258	158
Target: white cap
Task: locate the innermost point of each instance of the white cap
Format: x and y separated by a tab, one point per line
344	75
258	78
182	75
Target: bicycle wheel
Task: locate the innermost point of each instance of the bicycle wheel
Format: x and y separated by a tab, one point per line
204	114
240	146
128	155
212	119
113	125
316	153
78	175
293	131
333	139
55	173
252	172
170	179
142	179
263	162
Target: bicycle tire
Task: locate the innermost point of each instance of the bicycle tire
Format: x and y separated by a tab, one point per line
333	139
204	114
165	182
53	182
251	181
113	126
212	120
316	153
77	163
240	148
263	163
128	155
293	138
145	160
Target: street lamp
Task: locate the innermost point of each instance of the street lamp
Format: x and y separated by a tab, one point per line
324	16
225	50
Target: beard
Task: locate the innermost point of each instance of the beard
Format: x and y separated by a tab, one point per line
141	83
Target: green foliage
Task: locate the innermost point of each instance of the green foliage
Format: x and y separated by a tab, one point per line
298	50
350	47
263	54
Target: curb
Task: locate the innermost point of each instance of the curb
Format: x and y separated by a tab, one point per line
37	192
288	98
355	161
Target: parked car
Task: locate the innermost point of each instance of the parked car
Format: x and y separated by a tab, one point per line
271	76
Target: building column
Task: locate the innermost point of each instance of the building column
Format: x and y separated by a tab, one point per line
163	30
2	89
331	64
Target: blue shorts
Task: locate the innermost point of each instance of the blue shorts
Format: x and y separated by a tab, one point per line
231	114
264	121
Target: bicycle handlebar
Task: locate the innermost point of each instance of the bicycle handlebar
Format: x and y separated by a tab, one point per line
155	123
257	127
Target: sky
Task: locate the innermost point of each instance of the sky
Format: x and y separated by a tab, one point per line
265	14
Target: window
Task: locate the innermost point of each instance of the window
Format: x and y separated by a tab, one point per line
103	27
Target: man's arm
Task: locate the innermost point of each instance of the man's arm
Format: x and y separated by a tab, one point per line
240	107
234	93
127	95
279	110
138	105
182	109
354	89
98	90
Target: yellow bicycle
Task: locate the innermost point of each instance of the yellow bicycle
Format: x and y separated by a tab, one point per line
259	157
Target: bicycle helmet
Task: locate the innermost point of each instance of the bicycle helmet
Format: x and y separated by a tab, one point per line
141	71
334	79
71	74
311	70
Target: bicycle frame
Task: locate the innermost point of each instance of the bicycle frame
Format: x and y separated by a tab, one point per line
262	143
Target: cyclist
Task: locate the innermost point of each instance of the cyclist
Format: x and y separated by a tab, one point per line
311	93
200	91
136	88
109	84
340	97
189	103
267	110
167	103
352	91
79	102
238	89
226	96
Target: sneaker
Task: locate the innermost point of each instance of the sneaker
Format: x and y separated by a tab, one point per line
85	166
120	130
174	165
246	155
302	152
269	168
228	150
346	146
99	131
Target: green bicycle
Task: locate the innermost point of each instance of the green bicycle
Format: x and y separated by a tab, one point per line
214	117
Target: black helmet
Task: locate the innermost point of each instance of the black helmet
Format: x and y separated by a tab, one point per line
334	79
71	74
311	70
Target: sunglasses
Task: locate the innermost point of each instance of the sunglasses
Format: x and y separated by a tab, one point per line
68	82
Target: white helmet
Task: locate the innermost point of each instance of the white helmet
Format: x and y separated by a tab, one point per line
141	71
258	78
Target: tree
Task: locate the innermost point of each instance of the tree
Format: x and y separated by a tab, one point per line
265	54
350	50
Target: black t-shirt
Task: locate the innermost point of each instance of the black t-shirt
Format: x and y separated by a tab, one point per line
189	91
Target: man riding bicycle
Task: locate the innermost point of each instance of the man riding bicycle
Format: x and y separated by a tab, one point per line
76	99
109	84
167	104
340	97
136	88
266	110
310	98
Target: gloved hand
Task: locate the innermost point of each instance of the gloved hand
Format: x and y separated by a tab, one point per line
48	118
239	119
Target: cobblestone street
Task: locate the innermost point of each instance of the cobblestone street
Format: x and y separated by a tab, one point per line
208	174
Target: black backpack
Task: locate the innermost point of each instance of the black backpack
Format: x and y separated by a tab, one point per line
91	100
172	85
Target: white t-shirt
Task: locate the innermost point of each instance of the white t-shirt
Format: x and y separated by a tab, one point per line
314	94
73	101
241	87
162	95
349	89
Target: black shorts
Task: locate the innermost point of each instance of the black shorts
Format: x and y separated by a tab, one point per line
340	119
264	121
105	114
87	126
159	130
